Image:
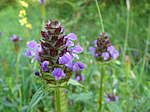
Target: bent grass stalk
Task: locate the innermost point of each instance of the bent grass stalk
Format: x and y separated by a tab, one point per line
100	16
145	54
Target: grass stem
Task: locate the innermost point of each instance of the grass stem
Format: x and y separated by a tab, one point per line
100	16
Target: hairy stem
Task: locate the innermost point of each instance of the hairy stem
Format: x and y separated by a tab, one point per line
101	88
57	100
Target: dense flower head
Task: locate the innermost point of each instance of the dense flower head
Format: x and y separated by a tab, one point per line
55	53
15	38
103	50
111	97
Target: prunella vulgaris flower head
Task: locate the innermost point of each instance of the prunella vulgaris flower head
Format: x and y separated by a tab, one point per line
15	38
55	53
103	50
111	97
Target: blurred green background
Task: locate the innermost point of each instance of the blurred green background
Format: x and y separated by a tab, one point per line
130	79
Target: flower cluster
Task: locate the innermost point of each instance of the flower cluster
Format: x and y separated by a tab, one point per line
111	97
15	38
103	50
22	15
42	1
55	53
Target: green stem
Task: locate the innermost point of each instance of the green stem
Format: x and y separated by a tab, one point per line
127	33
101	88
100	16
145	54
57	100
43	15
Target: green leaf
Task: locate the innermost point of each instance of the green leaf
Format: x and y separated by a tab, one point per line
75	83
40	94
114	107
84	97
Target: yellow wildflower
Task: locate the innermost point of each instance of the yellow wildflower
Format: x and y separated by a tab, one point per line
22	13
23	21
24	4
29	26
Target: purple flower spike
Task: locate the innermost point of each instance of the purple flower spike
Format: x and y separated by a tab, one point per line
71	36
45	66
55	53
65	59
77	65
105	55
58	73
111	97
103	50
15	38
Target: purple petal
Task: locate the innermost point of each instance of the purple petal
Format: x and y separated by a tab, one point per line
77	78
32	44
115	54
111	49
11	39
96	55
36	57
77	49
66	58
57	78
117	98
29	53
92	49
69	43
20	39
15	36
107	100
77	65
71	36
45	65
95	42
105	55
58	73
75	55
